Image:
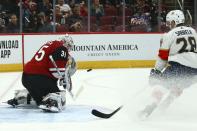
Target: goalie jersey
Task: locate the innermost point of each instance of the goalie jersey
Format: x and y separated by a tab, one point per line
41	64
178	45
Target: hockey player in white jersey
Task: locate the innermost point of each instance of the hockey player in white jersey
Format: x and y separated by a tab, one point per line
176	65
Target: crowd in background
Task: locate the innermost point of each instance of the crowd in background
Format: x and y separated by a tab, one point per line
72	16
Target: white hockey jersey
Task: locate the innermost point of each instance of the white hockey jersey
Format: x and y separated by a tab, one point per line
178	45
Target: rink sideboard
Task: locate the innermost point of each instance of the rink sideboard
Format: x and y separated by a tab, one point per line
91	50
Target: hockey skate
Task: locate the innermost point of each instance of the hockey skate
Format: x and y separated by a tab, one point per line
13	102
21	97
53	102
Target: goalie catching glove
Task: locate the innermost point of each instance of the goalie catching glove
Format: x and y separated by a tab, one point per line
72	66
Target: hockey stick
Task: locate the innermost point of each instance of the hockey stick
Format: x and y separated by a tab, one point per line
78	92
181	6
189	21
58	71
100	114
190	17
104	115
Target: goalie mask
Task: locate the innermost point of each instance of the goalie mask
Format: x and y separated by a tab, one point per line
175	15
68	41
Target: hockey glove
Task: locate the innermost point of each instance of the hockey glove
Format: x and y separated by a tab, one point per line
66	83
155	73
73	66
155	77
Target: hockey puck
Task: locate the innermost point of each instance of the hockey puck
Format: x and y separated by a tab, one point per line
89	70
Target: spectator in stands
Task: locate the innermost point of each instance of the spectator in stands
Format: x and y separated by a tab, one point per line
10	6
141	7
66	11
97	10
2	26
3	21
29	8
75	20
63	7
141	18
44	6
58	15
83	9
13	26
32	25
44	23
163	13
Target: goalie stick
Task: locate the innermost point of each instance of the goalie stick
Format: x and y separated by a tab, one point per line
104	115
74	97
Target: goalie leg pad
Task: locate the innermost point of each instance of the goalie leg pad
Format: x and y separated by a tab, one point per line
53	102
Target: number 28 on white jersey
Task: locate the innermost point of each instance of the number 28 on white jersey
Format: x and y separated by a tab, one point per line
179	45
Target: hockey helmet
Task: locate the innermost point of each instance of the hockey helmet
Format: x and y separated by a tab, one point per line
175	15
67	41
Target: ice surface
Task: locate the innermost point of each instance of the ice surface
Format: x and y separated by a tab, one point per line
104	89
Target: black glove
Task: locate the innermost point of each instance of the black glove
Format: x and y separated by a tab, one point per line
155	77
155	73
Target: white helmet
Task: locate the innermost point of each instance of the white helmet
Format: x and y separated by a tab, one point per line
175	15
68	41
